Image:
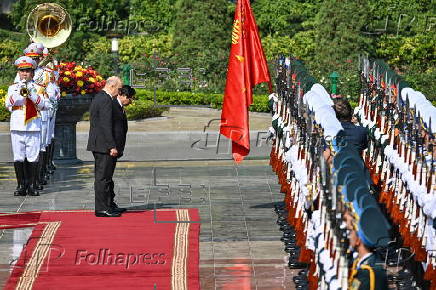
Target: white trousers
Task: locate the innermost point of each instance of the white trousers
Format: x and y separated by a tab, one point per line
44	132
26	145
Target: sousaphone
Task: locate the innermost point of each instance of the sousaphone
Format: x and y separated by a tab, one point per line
49	24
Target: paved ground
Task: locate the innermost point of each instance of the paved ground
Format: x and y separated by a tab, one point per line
181	134
240	244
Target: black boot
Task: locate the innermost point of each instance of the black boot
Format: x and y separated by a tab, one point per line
40	173
48	159
51	154
19	173
39	181
31	190
27	173
45	164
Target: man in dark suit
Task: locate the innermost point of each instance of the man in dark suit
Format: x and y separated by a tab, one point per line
101	142
354	134
119	129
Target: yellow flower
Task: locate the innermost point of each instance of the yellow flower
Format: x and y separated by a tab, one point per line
79	67
79	74
65	79
67	73
80	84
64	94
83	92
92	80
99	78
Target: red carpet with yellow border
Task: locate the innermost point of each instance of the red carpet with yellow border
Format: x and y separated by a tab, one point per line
76	250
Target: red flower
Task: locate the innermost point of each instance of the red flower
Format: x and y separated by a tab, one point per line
68	69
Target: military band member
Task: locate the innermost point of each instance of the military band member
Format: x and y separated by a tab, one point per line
54	93
25	125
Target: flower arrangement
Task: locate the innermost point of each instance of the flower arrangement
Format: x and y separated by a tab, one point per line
75	79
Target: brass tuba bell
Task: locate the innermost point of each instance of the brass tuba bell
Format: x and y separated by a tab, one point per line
49	24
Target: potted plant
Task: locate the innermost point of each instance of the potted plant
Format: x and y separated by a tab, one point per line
78	85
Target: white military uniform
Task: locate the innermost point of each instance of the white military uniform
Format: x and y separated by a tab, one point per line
25	137
54	93
42	79
25	129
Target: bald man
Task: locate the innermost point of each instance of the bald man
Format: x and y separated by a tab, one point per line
102	144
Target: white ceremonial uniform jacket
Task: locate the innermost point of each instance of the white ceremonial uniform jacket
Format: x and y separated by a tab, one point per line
15	103
53	91
42	79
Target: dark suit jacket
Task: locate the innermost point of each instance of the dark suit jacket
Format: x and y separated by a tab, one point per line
120	126
101	137
356	135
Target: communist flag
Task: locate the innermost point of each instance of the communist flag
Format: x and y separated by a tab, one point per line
247	67
31	112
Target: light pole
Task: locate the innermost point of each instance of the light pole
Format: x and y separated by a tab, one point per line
115	54
114	49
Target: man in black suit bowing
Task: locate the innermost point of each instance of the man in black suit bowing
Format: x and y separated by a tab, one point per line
119	129
101	142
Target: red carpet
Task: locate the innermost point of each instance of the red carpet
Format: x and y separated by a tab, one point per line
76	250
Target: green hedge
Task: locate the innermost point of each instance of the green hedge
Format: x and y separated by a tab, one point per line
140	109
260	102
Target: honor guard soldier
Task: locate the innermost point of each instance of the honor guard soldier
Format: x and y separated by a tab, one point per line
42	78
370	231
25	125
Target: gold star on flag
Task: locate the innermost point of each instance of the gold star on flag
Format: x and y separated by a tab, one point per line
240	58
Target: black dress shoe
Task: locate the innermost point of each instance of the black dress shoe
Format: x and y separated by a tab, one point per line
285	228
18	193
119	209
302	283
287	240
43	181
115	208
299	279
106	213
21	191
290	235
303	272
296	265
32	191
291	249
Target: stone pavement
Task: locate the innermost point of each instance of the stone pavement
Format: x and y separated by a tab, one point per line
181	134
240	245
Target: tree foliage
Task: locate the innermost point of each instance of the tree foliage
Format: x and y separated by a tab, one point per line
158	14
202	33
80	11
327	34
284	17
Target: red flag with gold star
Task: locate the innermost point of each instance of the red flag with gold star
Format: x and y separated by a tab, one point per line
247	67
